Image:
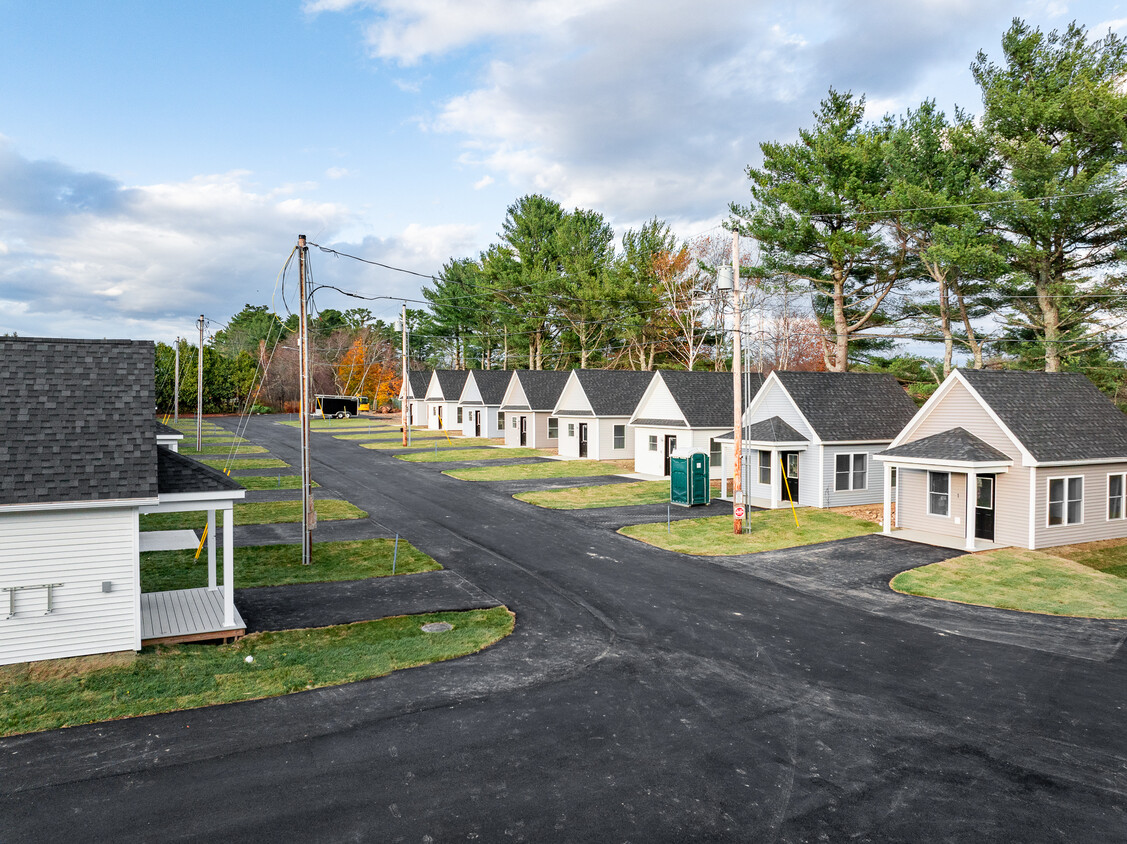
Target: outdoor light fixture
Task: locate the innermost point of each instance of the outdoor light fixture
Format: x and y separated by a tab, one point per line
724	278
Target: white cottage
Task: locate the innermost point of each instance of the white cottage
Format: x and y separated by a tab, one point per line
414	394
480	403
529	399
997	458
80	462
594	410
443	391
809	437
685	410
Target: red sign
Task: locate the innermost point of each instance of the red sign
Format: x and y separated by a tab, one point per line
739	511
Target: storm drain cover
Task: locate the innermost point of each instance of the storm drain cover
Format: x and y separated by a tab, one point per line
437	627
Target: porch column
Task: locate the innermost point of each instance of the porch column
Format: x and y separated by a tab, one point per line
228	565
211	549
972	483
724	470
776	479
887	499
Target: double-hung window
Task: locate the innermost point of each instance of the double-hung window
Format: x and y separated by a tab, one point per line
553	429
501	420
653	442
1115	487
619	436
459	415
1066	500
765	467
851	471
571	429
714	455
938	493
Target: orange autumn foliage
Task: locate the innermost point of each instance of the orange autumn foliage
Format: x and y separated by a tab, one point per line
369	370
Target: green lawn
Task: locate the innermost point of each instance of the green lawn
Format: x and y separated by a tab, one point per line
59	693
1031	581
431	442
393	436
254	513
343	424
769	530
188	426
549	469
248	463
274	565
225	438
221	448
453	455
272	481
605	495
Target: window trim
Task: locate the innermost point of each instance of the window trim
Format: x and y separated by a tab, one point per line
556	424
616	437
1064	502
1122	496
852	471
768	468
651	443
460	415
946	495
571	430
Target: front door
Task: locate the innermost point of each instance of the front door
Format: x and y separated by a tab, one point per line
524	430
984	508
440	417
789	482
582	439
670	446
477	423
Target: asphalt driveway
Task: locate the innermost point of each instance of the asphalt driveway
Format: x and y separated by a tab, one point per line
643	696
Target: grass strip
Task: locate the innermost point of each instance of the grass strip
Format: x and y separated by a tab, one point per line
60	693
248	463
768	531
460	442
1108	555
453	455
550	469
226	438
605	495
1019	579
391	436
342	424
274	565
254	513
222	448
272	481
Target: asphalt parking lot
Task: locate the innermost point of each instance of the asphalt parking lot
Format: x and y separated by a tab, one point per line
642	697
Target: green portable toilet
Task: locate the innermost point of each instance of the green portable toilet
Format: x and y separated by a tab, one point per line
689	478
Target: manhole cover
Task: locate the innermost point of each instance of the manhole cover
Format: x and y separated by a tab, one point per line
437	627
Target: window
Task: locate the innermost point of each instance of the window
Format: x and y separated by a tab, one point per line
851	471
459	414
620	436
1115	485
653	442
553	429
571	429
892	476
938	493
501	420
765	467
1066	499
714	455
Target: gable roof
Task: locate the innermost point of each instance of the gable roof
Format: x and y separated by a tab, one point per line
451	382
773	430
177	473
419	379
849	406
542	387
955	444
613	392
1056	416
163	430
491	384
705	398
76	420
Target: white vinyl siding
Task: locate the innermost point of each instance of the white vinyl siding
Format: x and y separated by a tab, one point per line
773	400
1094	525
79	550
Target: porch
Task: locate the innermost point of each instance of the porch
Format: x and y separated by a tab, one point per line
956	543
187	615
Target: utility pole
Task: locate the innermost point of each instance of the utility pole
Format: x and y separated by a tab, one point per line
403	358
308	513
738	503
176	388
199	392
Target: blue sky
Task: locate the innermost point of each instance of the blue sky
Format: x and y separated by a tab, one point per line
158	160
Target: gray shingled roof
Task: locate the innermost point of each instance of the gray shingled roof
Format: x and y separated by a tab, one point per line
76	420
953	444
773	430
613	392
167	430
542	387
843	406
706	397
419	379
1057	416
492	383
451	382
177	473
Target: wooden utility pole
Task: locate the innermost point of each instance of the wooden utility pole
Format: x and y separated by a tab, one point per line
738	504
308	513
176	386
199	392
403	358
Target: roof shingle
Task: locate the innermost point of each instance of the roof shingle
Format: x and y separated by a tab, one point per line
956	444
850	406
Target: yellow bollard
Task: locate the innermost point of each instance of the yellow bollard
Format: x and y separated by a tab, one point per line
790	498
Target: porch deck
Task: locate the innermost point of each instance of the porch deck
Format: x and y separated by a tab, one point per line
186	615
957	543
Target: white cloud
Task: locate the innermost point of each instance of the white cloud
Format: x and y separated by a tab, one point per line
484	182
336	173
